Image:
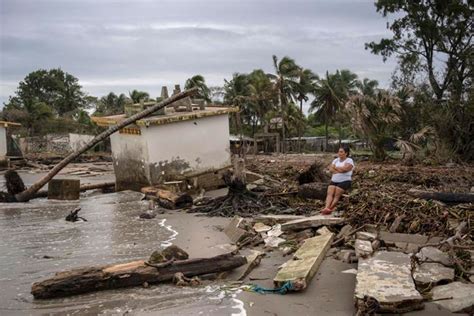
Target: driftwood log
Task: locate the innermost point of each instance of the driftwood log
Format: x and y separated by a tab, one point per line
84	280
315	190
29	193
446	197
168	199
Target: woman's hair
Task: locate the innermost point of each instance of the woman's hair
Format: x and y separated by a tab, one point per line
346	149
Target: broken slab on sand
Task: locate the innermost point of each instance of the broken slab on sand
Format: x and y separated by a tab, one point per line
386	277
311	222
407	242
462	297
305	263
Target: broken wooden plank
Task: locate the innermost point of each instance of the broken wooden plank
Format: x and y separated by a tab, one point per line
457	297
235	230
84	280
305	262
446	197
253	260
311	222
276	219
386	277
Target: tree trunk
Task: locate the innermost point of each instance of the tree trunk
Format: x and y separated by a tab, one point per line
314	190
30	192
326	131
84	280
299	127
446	197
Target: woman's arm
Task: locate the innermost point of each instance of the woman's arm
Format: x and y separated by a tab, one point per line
347	167
332	168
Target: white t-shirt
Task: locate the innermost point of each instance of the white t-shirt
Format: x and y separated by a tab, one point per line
345	176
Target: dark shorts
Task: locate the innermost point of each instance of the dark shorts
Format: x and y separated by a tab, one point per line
345	185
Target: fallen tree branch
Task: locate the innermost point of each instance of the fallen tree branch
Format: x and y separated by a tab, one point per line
446	197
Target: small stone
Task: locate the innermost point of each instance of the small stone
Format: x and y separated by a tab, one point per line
323	230
147	215
376	244
146	285
366	236
363	248
261	227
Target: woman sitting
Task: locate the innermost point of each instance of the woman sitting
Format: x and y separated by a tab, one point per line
341	180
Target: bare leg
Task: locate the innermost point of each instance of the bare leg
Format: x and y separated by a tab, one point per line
330	195
337	196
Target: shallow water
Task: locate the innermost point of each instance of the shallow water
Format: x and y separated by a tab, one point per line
36	242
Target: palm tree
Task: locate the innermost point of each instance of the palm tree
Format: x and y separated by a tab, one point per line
376	117
305	86
261	94
111	104
138	96
236	92
285	79
367	86
328	100
198	81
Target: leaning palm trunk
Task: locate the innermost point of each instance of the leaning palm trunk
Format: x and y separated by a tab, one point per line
30	192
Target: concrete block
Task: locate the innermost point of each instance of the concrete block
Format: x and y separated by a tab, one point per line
311	222
363	248
461	294
64	189
386	277
305	263
432	273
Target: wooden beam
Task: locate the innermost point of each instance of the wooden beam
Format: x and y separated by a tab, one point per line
90	279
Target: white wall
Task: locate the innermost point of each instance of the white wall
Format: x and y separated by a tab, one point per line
76	141
3	142
202	143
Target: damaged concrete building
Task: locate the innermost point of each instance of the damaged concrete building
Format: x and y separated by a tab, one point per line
185	141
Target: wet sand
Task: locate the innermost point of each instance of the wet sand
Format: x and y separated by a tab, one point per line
115	234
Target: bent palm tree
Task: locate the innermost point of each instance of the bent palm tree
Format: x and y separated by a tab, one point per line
199	82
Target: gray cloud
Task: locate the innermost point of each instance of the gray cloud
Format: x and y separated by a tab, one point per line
116	45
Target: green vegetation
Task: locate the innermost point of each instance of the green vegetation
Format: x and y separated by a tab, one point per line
428	111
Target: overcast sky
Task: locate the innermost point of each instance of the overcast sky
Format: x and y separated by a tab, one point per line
118	45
